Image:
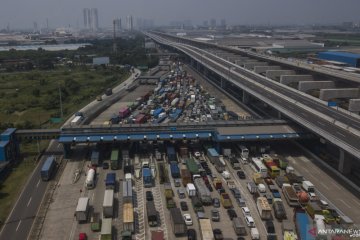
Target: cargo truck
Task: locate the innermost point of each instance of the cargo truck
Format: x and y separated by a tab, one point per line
95	158
225	200
192	166
48	168
110	181
95	222
106	229
251	186
217	183
202	191
90	179
279	209
185	177
197	205
171	154
302	224
108	204
157	235
174	169
177	222
239	226
191	190
308	186
82	209
290	195
152	214
263	208
206	231
212	154
128	217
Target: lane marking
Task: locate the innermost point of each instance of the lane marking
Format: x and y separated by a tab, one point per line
322	124
37	185
340	134
357	202
345	203
303	114
29	202
324	185
17	228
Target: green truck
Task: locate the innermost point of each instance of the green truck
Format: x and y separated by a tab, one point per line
106	229
170	203
95	223
192	166
114	160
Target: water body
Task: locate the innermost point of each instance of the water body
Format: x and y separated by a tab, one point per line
56	47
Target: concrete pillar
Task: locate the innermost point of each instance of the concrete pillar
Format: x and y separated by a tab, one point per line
327	94
245	97
275	74
67	150
305	86
344	163
263	69
288	79
354	105
251	65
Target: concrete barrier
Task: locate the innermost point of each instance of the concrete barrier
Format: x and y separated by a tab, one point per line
327	94
288	79
305	86
276	74
263	69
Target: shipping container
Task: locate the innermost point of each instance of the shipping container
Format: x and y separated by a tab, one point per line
108	203
48	168
82	209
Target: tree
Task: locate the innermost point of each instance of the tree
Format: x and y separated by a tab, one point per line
36	92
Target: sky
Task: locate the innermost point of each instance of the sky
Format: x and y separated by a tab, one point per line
22	13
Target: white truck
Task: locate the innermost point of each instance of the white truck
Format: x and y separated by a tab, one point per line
76	120
191	190
206	231
82	209
262	188
108	204
225	174
254	232
90	179
263	208
308	186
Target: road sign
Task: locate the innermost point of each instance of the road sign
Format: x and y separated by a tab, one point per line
332	104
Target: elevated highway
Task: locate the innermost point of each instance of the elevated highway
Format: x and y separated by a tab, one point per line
338	127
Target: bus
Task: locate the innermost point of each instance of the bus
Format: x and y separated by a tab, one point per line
244	153
259	167
152	214
114	160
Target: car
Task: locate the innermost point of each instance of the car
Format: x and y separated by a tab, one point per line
191	234
187	219
149	196
249	221
82	236
184	206
245	211
197	154
312	196
210	188
215	215
177	182
241	174
232	214
216	202
105	165
181	193
218	234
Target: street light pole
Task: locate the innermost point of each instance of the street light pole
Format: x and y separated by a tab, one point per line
61	108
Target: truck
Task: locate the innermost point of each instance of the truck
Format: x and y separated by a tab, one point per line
185	177
110	181
197	205
313	209
48	168
174	169
288	230
147	177
302	224
108	203
225	200
202	191
239	226
152	214
191	190
231	184
128	217
251	186
90	179
235	164
177	222
225	174
95	222
279	209
192	166
212	154
219	166
217	183
95	158
157	235
76	120
254	233
290	195
263	208
106	229
114	159
82	209
171	154
206	231
308	186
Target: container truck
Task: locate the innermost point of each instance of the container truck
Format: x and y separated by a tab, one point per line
110	181
308	186
90	179
302	224
95	158
106	229
279	209
192	166
171	154
114	159
202	191
108	204
290	195
152	214
177	222
212	154
128	217
82	209
48	168
191	190
251	186
206	231
225	200
185	177
157	235
239	226
263	208
174	169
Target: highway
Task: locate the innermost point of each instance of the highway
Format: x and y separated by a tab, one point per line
21	218
335	126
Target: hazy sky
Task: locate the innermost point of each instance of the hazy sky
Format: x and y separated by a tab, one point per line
22	13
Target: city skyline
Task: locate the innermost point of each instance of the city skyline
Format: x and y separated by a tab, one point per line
66	13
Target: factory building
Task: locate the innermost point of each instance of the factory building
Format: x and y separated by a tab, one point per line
351	59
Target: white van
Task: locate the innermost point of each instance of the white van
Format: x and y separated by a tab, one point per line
254	233
249	221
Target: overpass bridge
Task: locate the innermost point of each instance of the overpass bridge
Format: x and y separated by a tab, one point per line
334	126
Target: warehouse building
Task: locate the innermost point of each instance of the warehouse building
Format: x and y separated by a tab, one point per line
351	59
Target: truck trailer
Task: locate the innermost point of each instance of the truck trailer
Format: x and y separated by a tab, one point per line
202	191
48	168
263	208
108	204
177	222
206	231
82	209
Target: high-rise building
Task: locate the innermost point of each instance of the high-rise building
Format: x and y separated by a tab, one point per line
91	20
223	23
129	23
213	23
117	23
